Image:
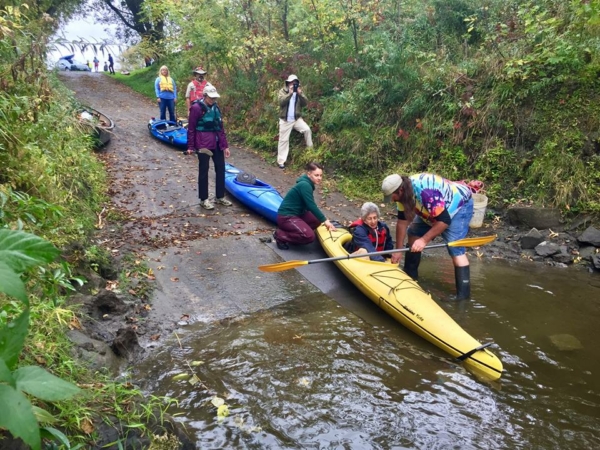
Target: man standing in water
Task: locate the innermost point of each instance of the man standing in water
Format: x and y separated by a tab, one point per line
429	206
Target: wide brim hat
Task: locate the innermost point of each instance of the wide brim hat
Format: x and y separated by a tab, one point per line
199	70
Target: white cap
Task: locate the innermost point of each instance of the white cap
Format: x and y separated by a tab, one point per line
291	78
211	91
390	184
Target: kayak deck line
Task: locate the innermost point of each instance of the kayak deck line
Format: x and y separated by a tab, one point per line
475	350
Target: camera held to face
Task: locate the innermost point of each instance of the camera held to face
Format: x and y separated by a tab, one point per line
295	85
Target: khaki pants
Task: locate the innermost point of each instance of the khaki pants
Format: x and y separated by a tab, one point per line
285	129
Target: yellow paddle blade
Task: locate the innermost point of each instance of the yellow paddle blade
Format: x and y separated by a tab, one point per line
472	242
280	267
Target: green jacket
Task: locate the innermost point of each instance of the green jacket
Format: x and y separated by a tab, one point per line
300	199
284	97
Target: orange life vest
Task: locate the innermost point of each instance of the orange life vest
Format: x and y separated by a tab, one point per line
198	91
376	236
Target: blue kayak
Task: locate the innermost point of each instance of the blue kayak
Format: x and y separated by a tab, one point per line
174	133
257	195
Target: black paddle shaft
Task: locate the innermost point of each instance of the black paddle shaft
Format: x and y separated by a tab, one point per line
384	252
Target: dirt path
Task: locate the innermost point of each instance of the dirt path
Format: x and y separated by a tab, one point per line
204	261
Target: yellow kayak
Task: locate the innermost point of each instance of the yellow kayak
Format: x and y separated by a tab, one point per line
403	299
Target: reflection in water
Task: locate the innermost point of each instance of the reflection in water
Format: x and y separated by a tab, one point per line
309	374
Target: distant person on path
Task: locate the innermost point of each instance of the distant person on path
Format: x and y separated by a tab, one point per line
147	61
369	234
291	101
111	64
298	214
105	66
206	137
195	88
166	94
96	63
87	63
429	206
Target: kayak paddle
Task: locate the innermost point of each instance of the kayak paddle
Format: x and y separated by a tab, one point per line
287	265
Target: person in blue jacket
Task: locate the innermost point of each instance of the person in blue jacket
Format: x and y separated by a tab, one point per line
369	234
166	94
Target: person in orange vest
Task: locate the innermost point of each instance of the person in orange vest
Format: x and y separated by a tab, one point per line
369	234
195	88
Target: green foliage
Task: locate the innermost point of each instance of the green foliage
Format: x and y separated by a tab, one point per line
499	167
20	251
38	176
470	90
452	163
97	257
559	176
58	280
52	185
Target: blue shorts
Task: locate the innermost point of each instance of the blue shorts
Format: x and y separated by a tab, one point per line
458	229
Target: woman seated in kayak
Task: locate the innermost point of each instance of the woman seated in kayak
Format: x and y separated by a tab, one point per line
298	214
369	234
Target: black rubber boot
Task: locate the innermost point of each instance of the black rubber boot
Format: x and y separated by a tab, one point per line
462	277
411	264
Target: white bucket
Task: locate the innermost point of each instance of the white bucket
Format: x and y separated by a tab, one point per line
479	204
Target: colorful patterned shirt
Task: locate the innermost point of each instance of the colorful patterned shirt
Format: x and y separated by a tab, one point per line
434	193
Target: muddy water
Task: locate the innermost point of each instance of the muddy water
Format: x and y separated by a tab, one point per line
311	374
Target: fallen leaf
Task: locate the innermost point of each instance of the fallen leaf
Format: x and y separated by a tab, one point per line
181	376
223	411
174	279
217	401
87	426
74	324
